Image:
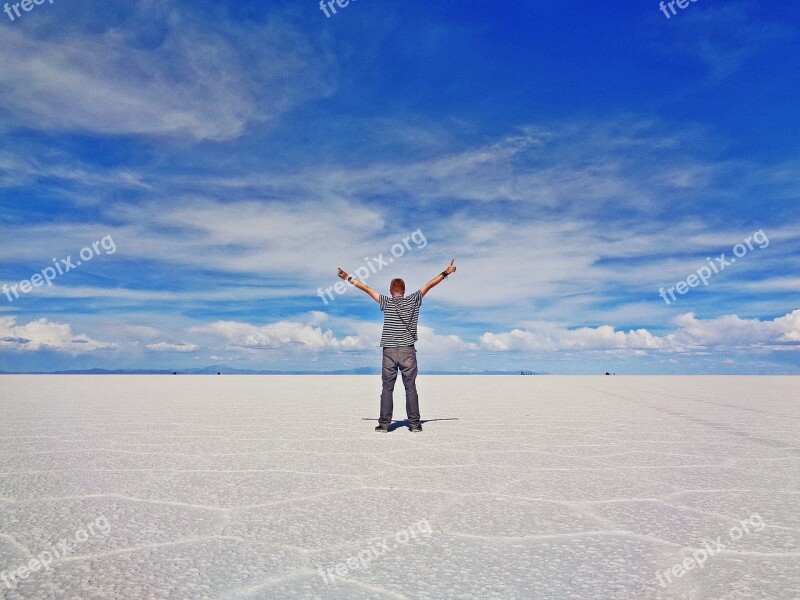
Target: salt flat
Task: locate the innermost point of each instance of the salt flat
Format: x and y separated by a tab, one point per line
518	487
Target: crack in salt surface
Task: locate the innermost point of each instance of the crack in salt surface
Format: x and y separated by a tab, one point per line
120	497
119	451
17	544
727	552
685	507
718	404
626	533
305	572
772	442
181	542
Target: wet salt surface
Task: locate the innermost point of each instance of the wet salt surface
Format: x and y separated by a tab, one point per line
518	487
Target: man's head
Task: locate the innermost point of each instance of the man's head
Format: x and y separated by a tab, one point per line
397	287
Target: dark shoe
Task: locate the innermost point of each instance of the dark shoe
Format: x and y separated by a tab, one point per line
382	429
416	428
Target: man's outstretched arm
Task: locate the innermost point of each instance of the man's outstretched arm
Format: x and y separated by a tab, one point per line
438	279
362	286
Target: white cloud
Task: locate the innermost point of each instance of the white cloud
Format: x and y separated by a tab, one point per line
121	294
166	347
534	255
42	334
317	317
585	167
26	166
724	38
733	332
283	334
521	260
723	334
141	331
444	345
548	336
196	82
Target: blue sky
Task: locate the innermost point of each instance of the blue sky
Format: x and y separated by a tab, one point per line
574	158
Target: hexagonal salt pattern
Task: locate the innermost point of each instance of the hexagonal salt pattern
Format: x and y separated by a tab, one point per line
518	488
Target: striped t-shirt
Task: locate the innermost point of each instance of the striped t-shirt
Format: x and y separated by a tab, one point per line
400	320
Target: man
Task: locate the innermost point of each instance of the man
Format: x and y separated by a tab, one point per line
400	315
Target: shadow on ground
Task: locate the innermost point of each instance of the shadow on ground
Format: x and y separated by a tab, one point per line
406	423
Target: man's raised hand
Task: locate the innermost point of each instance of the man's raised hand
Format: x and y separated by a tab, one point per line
452	268
342	274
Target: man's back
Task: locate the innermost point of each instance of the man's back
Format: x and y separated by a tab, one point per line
400	315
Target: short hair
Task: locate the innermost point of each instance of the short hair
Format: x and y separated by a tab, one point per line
397	285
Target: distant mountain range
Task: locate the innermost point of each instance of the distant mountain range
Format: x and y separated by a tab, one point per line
225	370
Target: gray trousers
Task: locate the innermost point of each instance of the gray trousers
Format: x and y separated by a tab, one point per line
404	359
